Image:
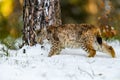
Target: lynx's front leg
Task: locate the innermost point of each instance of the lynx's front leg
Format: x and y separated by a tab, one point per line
55	49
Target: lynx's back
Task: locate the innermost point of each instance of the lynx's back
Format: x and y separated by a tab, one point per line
84	36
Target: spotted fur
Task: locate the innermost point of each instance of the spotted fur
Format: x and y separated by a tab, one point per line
85	36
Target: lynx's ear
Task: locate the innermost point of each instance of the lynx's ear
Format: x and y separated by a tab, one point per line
99	39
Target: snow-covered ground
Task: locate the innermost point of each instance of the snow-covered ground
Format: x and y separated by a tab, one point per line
71	64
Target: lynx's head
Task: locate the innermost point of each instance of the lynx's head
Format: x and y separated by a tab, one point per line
41	35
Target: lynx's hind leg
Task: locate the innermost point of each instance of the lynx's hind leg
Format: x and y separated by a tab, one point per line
108	49
92	53
89	49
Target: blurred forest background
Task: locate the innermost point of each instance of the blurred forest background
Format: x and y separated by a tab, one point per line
73	11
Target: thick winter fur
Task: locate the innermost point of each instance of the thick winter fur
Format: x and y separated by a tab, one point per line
85	36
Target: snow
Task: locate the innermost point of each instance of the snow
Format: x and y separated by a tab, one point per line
71	64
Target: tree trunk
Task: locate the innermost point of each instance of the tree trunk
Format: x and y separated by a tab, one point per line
37	15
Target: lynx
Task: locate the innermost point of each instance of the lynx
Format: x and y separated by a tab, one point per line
85	36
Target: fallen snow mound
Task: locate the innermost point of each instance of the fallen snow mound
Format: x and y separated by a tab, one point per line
32	63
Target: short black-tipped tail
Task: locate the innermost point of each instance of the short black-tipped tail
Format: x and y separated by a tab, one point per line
99	40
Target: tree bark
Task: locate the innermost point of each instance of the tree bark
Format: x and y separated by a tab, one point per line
37	15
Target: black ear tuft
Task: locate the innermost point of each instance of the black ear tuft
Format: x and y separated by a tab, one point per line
99	39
